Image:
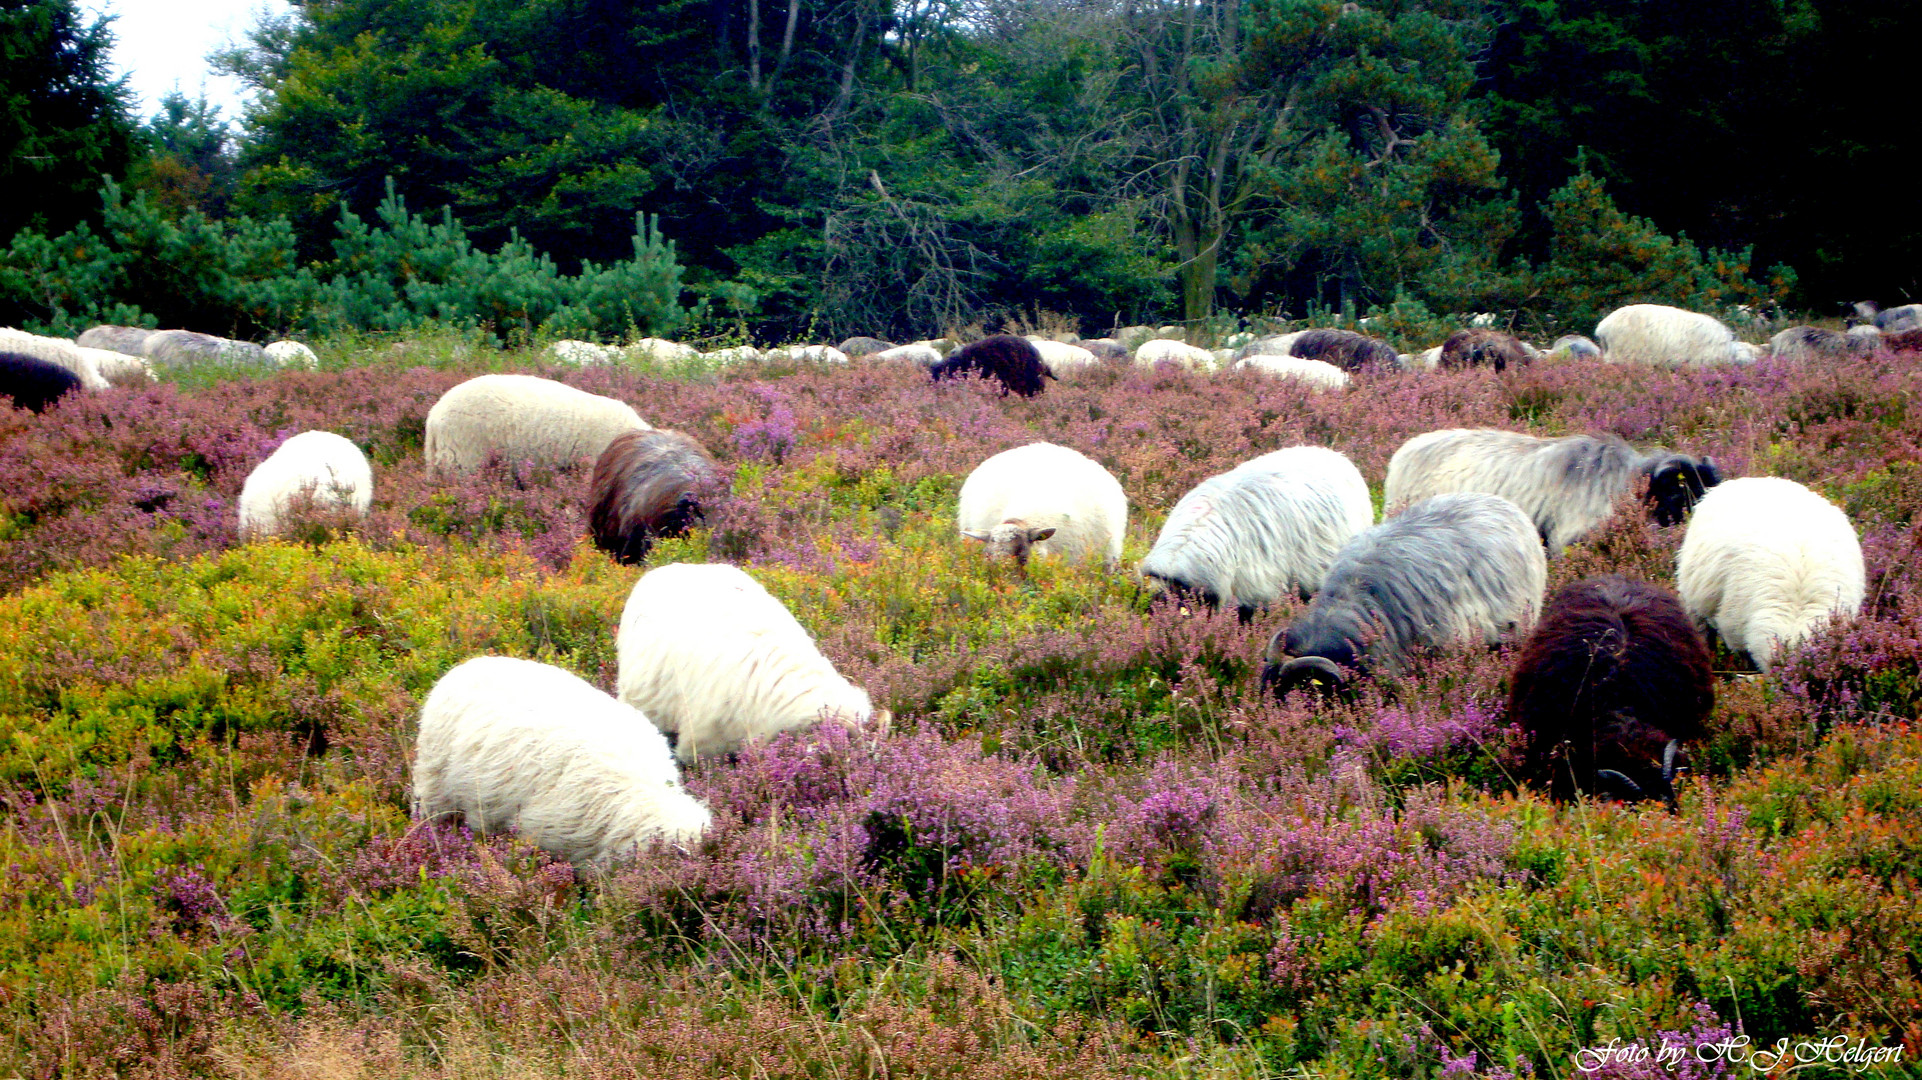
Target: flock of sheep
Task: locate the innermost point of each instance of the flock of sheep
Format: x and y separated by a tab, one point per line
1613	676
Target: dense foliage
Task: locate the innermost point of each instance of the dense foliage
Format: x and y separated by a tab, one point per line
1091	846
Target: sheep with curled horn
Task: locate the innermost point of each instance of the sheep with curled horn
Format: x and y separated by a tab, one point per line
1569	485
1610	684
647	484
1454	568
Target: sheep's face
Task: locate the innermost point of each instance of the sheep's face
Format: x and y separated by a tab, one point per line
1634	761
1010	539
1188	596
1676	484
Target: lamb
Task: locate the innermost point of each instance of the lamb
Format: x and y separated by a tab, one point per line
1043	499
1063	359
316	465
521	418
712	658
1011	361
131	340
1264	528
1345	349
32	383
1569	486
287	353
857	347
169	348
647	484
1181	354
1815	343
1663	336
1316	373
1455	568
1613	679
1766	563
1484	348
509	744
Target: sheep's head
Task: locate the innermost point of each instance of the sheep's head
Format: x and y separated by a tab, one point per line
1675	484
1292	663
1651	775
1010	539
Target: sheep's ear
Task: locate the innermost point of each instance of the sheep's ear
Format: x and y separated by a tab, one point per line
972	535
1711	475
1035	536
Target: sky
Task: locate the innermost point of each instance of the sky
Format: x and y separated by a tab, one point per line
161	44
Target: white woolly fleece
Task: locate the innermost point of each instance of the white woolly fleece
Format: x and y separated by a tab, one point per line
1062	359
1662	336
512	744
1767	562
710	655
1189	356
1319	374
1265	528
320	464
1044	486
521	418
58	351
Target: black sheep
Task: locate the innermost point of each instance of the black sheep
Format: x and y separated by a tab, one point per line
1614	678
1484	348
647	484
1012	361
1345	349
32	383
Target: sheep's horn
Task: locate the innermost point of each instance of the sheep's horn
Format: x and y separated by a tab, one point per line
1615	779
1668	761
1282	678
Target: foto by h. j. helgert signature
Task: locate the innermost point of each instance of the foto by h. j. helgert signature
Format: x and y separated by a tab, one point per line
1740	1050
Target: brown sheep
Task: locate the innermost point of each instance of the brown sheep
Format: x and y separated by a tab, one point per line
647	484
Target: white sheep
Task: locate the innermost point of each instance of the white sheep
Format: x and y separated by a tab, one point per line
1318	374
1662	336
510	744
131	340
662	351
176	347
809	354
1568	486
709	655
289	353
920	353
1265	528
1175	352
583	353
1767	562
735	354
1043	499
317	465
521	418
54	350
1063	359
117	367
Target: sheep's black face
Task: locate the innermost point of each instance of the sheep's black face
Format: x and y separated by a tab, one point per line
1676	486
1185	594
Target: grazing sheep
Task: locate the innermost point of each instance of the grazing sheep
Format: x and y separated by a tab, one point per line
1062	359
710	656
1267	527
1575	347
170	348
53	350
116	367
857	347
521	418
1011	361
584	353
1484	348
1766	562
1454	568
1316	373
1043	499
917	353
131	340
1662	336
1345	349
1611	681
1107	350
736	354
32	383
1181	354
1896	320
662	351
1133	337
288	353
316	465
647	484
808	354
1906	341
1272	345
510	744
1815	343
1568	486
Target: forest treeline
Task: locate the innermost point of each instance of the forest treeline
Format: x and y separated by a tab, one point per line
898	166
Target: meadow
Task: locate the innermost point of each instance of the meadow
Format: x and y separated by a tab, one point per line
1089	847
